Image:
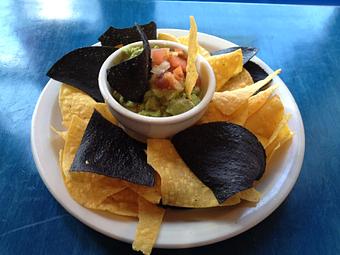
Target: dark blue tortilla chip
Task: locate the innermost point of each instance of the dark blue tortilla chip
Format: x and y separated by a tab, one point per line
225	157
247	52
130	78
115	36
256	72
107	150
80	68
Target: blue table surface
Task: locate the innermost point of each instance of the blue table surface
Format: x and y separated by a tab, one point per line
303	41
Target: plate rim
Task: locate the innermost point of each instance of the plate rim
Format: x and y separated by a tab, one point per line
283	194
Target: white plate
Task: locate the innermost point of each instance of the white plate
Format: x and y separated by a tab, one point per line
181	228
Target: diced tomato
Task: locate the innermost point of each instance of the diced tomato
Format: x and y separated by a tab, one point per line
177	61
178	73
168	81
159	55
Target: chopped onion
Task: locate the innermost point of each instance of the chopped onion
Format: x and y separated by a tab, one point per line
160	69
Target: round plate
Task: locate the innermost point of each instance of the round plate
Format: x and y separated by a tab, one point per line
181	228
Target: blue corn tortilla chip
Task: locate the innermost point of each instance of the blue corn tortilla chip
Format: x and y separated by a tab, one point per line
107	150
130	78
256	72
115	36
225	157
80	68
247	52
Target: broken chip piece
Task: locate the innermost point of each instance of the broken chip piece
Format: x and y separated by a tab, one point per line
225	157
105	149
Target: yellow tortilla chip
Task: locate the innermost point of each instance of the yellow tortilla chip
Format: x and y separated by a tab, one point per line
103	109
251	195
279	127
263	140
72	141
257	101
167	37
241	80
202	51
283	136
123	203
266	119
212	114
151	194
179	186
150	220
87	189
73	101
229	101
192	74
226	66
240	116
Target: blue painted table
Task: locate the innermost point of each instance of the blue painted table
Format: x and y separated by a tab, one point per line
303	41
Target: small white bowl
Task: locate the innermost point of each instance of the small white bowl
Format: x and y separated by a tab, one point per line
157	127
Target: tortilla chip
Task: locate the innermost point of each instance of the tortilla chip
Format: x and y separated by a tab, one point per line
212	114
257	101
72	141
240	116
167	37
123	203
283	136
192	74
226	66
202	51
150	220
179	186
103	109
130	78
73	101
229	101
107	150
266	119
263	140
247	52
114	37
80	68
225	157
151	194
86	188
278	129
241	80
256	71
250	195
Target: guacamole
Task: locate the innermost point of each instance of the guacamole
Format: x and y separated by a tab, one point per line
166	96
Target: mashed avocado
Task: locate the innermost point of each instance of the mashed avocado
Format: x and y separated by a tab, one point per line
161	103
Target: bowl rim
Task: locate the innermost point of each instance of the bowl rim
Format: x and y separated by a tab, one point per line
109	99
